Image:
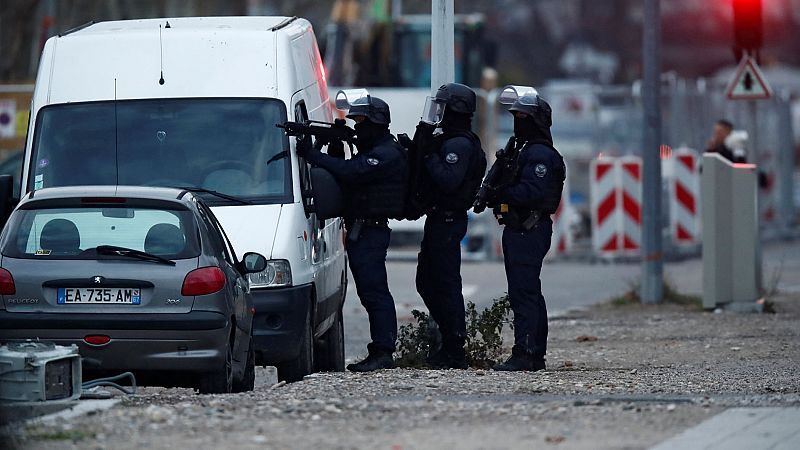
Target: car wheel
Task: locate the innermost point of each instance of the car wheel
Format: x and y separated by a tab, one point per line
330	349
248	381
219	381
303	365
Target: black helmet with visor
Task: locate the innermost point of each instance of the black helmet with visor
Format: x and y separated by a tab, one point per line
358	102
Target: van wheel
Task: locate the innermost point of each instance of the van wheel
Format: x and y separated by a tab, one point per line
330	349
219	381
303	365
248	381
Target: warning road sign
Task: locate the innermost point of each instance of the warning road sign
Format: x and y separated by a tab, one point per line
748	83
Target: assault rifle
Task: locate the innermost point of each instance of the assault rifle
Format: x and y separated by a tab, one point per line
325	133
501	174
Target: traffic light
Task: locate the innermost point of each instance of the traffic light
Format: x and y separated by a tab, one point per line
747	25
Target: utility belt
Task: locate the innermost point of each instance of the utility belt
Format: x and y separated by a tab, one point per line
519	219
354	226
447	215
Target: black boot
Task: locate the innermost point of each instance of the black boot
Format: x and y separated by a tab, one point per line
521	361
448	359
375	360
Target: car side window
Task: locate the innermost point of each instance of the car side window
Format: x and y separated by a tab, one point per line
221	236
217	241
230	254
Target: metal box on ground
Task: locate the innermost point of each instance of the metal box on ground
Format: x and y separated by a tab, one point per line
39	371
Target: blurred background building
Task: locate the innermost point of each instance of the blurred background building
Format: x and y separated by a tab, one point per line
534	40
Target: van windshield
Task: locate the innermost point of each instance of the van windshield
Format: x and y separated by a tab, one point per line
230	146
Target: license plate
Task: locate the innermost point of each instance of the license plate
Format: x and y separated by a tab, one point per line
116	296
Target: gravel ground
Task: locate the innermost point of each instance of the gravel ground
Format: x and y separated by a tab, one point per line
622	377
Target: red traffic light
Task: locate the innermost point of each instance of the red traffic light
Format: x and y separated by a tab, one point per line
747	25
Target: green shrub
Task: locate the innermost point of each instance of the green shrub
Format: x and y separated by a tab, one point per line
484	343
414	341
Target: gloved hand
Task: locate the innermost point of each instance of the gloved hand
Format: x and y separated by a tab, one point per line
336	149
424	129
423	137
304	145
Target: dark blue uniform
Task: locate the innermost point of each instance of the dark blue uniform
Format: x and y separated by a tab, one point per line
439	265
540	169
371	180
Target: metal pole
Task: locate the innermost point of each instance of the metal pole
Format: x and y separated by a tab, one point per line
652	264
786	165
754	157
442	43
397	9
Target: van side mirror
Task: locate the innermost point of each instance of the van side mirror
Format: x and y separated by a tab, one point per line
6	201
327	194
253	263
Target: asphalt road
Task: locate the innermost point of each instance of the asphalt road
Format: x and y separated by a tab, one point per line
566	285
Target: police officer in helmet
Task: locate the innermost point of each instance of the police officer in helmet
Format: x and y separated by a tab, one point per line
524	206
373	182
454	166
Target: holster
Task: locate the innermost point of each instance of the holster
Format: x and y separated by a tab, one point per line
518	218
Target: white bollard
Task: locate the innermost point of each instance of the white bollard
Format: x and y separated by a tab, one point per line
730	234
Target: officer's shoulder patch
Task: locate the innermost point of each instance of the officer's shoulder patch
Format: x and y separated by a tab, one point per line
451	158
541	170
372	161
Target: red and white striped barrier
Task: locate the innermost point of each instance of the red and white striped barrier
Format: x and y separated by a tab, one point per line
563	239
616	201
603	192
684	195
631	193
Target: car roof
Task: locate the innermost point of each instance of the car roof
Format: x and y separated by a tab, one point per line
164	194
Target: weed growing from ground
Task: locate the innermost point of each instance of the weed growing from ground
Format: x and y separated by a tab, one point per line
484	342
670	295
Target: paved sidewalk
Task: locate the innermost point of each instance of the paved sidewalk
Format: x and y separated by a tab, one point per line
742	429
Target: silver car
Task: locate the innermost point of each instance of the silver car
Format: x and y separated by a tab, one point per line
141	279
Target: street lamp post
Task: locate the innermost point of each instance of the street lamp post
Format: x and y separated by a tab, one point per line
652	256
442	44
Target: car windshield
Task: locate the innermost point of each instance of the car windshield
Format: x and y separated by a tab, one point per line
76	233
225	145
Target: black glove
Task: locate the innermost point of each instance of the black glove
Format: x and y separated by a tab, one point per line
304	145
424	130
336	149
423	137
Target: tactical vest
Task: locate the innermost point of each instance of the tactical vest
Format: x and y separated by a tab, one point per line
555	188
384	198
463	197
521	218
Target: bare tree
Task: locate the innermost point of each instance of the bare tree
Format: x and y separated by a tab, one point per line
16	33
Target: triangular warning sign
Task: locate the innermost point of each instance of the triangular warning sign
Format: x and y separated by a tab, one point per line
748	83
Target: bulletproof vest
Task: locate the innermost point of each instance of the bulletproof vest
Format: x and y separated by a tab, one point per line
382	198
555	186
523	218
463	197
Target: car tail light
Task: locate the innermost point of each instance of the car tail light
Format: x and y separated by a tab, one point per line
206	280
7	283
97	339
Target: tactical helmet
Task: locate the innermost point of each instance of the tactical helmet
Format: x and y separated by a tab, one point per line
358	102
458	98
536	107
374	109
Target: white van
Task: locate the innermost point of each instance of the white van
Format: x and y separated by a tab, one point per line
193	103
